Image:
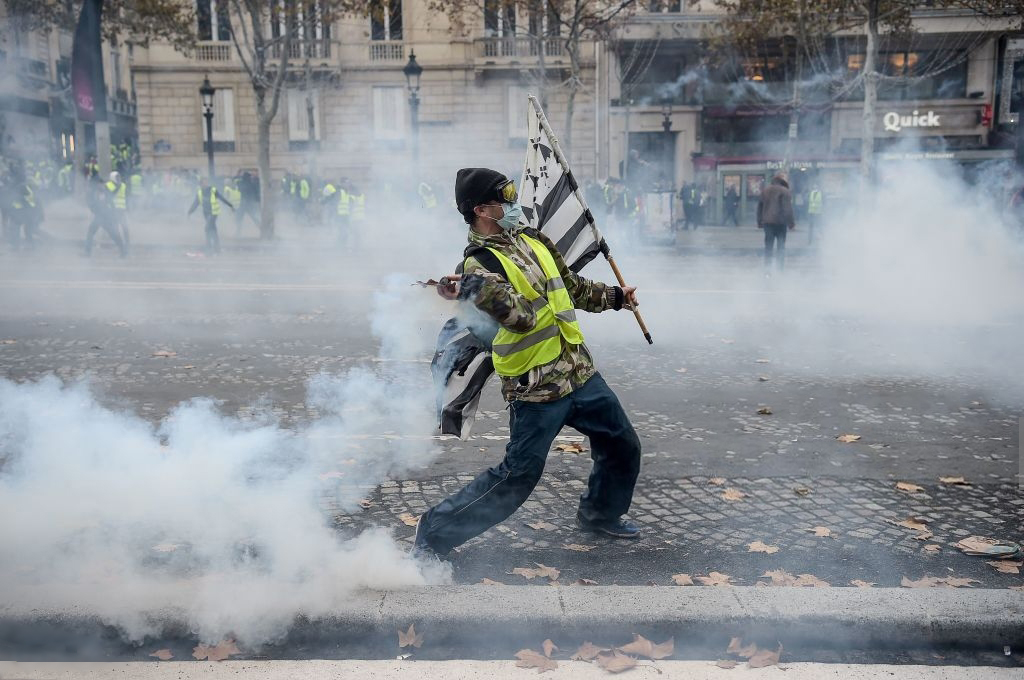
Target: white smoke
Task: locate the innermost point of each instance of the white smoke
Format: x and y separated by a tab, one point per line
212	518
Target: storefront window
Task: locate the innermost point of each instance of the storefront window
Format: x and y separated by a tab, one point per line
915	75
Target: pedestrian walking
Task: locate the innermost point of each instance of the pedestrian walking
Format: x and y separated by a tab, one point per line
26	211
516	276
210	199
815	207
775	216
101	204
731	203
119	198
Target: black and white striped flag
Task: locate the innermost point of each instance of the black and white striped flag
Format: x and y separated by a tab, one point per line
548	195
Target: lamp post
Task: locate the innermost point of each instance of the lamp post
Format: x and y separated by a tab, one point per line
206	92
412	73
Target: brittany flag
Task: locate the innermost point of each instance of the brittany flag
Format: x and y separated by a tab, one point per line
549	195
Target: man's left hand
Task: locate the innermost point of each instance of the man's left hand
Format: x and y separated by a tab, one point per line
629	300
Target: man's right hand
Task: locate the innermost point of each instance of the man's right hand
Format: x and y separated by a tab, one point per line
448	287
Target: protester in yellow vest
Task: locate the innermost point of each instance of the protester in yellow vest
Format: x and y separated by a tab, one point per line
119	197
233	195
815	207
427	197
518	279
210	199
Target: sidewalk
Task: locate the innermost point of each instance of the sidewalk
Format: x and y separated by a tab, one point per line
735	240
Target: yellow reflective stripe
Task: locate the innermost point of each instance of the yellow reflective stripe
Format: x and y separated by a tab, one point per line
530	340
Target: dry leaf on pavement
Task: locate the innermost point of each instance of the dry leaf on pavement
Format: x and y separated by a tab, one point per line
615	662
163	654
571	447
765	657
1005	566
914	523
781	577
410	637
682	579
933	548
861	584
717	481
822	532
529	573
908	487
761	547
218	652
641	646
408	519
764	411
954	481
164	353
1019	589
531	659
365	503
588	651
987	547
541	526
732	494
737	647
727	664
579	548
848	438
490	582
548	646
584	582
801	491
716	579
938	582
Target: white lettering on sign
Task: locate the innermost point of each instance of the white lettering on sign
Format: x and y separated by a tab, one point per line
894	122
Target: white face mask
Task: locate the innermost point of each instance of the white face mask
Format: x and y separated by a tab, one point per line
509	220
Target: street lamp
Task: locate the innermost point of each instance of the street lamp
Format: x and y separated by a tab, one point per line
412	73
666	117
206	92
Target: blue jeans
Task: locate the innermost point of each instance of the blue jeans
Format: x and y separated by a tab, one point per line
496	493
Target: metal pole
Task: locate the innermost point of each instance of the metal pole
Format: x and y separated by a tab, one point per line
209	141
414	109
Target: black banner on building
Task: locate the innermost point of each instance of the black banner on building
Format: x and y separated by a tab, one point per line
87	84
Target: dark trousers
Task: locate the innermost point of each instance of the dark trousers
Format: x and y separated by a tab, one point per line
111	229
212	238
494	495
775	238
731	215
250	209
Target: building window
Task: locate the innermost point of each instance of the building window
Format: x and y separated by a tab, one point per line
223	121
664	6
516	107
214	22
916	75
298	114
386	20
499	19
389	113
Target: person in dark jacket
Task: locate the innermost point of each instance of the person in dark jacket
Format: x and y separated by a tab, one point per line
210	199
775	216
102	207
731	202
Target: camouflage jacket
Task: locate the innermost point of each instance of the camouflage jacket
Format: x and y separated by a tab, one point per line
492	294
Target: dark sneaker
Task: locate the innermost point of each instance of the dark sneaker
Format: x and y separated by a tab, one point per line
617	528
421	550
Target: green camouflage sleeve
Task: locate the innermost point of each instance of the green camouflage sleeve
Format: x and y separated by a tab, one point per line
590	296
496	297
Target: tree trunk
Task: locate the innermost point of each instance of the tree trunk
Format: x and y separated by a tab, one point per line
266	184
867	142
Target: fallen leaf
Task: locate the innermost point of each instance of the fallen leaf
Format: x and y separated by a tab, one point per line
861	584
821	532
541	526
587	652
164	353
923	536
762	378
955	481
682	579
218	652
585	582
914	523
764	411
726	664
716	481
410	637
958	582
761	547
716	579
765	657
529	573
615	662
908	487
490	582
801	491
1005	566
983	546
641	646
163	654
737	647
548	646
762	361
848	438
576	547
938	582
571	447
188	367
780	577
933	548
365	503
531	659
408	520
732	494
1019	589
402	657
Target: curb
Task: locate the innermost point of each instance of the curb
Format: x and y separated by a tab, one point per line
495	621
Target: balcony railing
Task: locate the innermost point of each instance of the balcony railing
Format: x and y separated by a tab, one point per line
387	50
519	46
213	51
305	49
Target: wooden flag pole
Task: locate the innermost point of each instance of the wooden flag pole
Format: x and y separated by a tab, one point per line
586	210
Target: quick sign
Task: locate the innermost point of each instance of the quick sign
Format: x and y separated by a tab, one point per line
894	122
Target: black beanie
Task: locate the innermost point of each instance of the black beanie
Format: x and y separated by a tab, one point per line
475	186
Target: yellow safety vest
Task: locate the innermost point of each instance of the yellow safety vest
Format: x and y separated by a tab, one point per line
343	199
136	181
233	195
329	190
214	203
427	195
516	353
358	206
303	190
30	198
814	202
120	192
